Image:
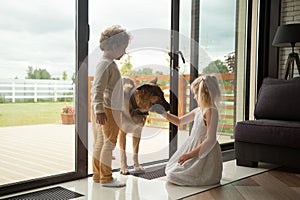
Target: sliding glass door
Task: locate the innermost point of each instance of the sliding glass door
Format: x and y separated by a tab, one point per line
212	39
41	71
44	70
147	57
182	40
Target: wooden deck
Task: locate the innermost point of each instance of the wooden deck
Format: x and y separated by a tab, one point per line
35	151
28	152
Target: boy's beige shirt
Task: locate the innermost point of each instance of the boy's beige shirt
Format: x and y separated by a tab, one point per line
107	90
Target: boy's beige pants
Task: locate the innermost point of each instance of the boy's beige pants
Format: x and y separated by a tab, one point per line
105	139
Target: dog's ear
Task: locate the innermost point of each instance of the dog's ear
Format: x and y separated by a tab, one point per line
154	81
143	87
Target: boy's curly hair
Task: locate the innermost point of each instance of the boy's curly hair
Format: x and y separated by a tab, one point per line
114	35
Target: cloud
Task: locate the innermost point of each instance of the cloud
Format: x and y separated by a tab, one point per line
217	27
42	33
39	34
133	15
37	17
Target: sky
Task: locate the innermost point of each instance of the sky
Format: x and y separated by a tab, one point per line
41	34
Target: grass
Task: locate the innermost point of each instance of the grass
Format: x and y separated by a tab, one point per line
17	114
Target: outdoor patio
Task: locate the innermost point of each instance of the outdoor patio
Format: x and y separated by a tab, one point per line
28	152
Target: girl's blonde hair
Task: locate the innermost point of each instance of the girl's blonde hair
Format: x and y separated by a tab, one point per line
114	36
209	93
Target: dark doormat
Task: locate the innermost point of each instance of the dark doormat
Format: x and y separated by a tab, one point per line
151	173
57	193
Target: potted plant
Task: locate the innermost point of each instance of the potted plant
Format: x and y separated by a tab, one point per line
67	115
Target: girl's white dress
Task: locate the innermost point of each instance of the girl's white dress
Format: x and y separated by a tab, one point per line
206	169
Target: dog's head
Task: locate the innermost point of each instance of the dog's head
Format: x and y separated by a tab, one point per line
150	97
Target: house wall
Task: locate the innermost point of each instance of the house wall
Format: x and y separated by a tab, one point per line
290	14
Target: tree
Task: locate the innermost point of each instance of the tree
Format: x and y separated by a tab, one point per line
143	71
37	73
230	61
44	74
73	78
126	69
217	67
64	76
30	73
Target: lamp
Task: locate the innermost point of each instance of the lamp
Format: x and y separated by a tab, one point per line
289	36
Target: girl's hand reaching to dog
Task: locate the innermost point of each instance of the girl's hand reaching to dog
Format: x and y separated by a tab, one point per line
101	118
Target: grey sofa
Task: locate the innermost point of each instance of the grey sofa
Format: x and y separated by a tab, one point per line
274	135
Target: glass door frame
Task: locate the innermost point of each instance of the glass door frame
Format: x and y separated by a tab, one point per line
81	152
173	130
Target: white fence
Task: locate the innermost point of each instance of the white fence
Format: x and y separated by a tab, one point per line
13	89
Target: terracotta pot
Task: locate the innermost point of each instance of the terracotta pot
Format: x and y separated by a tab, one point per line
67	118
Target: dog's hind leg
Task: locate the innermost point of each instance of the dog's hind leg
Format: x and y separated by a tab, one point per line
136	143
123	158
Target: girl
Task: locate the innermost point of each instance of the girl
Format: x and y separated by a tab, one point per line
198	161
107	100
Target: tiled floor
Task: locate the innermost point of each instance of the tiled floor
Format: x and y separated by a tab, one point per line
157	189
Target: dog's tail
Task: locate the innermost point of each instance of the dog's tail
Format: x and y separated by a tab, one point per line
127	81
128	85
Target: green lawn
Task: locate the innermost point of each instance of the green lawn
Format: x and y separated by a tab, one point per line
16	114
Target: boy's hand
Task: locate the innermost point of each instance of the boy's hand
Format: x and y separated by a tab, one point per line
101	118
184	157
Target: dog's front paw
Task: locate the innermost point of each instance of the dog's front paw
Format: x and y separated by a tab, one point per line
139	169
124	171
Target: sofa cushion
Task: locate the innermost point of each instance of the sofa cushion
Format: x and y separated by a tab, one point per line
272	132
279	99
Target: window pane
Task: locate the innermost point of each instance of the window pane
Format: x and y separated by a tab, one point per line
217	40
148	23
220	51
37	67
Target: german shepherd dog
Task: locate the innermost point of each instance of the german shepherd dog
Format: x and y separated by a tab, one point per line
138	101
